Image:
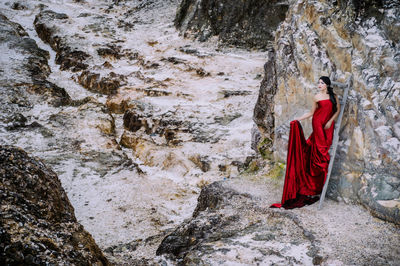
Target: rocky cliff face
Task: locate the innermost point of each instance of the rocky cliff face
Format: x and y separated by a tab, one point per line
341	39
239	23
38	224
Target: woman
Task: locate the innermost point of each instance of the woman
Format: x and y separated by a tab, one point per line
308	160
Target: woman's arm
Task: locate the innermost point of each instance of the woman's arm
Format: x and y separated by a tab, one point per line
335	115
309	114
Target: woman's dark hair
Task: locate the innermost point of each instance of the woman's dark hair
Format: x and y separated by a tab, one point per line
327	81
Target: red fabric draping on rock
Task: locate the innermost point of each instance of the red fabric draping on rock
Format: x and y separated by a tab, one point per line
307	160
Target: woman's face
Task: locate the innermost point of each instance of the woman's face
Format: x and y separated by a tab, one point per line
321	85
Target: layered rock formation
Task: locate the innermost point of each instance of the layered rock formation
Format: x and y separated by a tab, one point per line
37	223
27	73
240	23
69	55
341	39
25	90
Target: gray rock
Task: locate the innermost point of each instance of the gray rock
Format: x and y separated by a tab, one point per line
38	225
24	76
264	110
67	57
146	122
223	223
212	198
239	23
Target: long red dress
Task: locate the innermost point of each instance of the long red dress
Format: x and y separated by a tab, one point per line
307	160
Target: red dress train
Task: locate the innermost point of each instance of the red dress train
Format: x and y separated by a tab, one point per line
307	160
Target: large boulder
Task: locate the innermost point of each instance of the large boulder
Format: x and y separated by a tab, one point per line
247	23
228	224
232	225
341	39
37	221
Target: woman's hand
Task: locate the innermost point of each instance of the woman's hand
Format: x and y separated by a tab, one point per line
328	125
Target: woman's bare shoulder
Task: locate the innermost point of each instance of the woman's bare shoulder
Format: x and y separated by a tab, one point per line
321	97
318	97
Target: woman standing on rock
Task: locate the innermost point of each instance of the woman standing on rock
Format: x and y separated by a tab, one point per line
308	160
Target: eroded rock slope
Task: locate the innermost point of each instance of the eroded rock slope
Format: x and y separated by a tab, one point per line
132	117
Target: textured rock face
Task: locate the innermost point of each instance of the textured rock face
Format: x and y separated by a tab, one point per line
341	39
67	56
28	72
50	27
247	23
170	129
264	109
38	225
227	227
67	134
